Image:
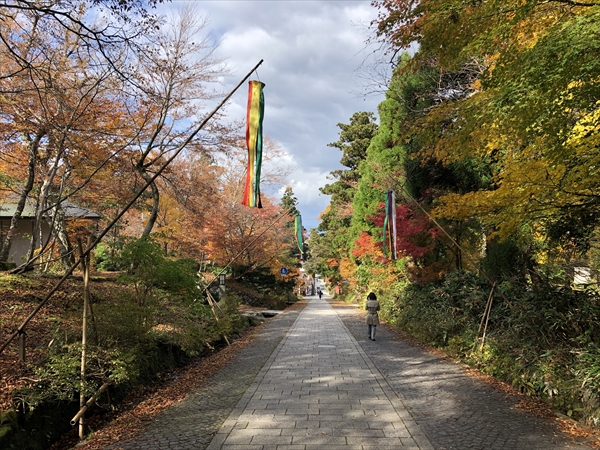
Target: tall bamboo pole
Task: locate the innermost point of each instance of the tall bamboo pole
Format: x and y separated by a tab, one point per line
85	266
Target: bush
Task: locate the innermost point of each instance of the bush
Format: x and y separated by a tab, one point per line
107	259
149	269
545	343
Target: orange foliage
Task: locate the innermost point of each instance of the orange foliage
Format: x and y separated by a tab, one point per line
365	246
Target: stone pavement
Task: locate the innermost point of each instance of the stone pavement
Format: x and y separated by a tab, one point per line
454	410
192	423
319	390
312	380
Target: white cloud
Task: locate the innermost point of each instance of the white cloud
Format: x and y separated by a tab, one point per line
311	51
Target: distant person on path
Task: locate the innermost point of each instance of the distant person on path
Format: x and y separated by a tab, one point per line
320	292
372	306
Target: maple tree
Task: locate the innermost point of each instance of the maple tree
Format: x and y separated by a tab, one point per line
543	140
174	73
524	116
231	227
56	122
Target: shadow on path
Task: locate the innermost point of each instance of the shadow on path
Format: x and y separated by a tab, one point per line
454	410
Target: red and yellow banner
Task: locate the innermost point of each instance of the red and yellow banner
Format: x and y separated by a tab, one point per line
256	109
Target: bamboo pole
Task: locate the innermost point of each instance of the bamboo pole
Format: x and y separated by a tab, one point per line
89	403
486	313
85	266
125	209
487	305
22	345
487	318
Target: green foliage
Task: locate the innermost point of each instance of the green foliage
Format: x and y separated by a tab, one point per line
61	374
107	259
504	260
334	237
7	265
8	426
323	253
16	282
354	140
230	321
545	343
288	205
149	269
435	312
269	290
289	202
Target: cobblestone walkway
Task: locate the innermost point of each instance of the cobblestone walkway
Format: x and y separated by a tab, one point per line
312	380
192	423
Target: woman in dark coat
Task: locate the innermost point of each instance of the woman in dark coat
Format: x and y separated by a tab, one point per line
372	306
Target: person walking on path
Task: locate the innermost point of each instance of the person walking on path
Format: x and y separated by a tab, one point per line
372	306
320	292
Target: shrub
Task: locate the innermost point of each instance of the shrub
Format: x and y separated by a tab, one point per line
108	259
149	269
545	343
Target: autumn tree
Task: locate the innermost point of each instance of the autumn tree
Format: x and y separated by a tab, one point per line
525	119
221	227
174	73
91	122
106	26
52	106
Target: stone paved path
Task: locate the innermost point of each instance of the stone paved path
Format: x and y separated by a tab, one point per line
312	380
455	411
192	423
319	390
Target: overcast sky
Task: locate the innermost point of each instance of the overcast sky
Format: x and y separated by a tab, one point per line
312	51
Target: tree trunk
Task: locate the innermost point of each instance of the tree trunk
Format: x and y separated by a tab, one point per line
59	231
33	149
155	201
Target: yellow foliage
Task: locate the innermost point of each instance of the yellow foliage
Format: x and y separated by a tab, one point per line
348	270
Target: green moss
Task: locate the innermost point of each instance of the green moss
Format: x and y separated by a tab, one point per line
8	417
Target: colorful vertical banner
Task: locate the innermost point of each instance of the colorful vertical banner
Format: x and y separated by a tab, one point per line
389	226
298	232
254	120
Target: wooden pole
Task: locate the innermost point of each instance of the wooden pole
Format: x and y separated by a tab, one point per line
22	342
486	316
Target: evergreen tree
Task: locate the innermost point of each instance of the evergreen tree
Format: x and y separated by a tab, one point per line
289	202
288	205
332	241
